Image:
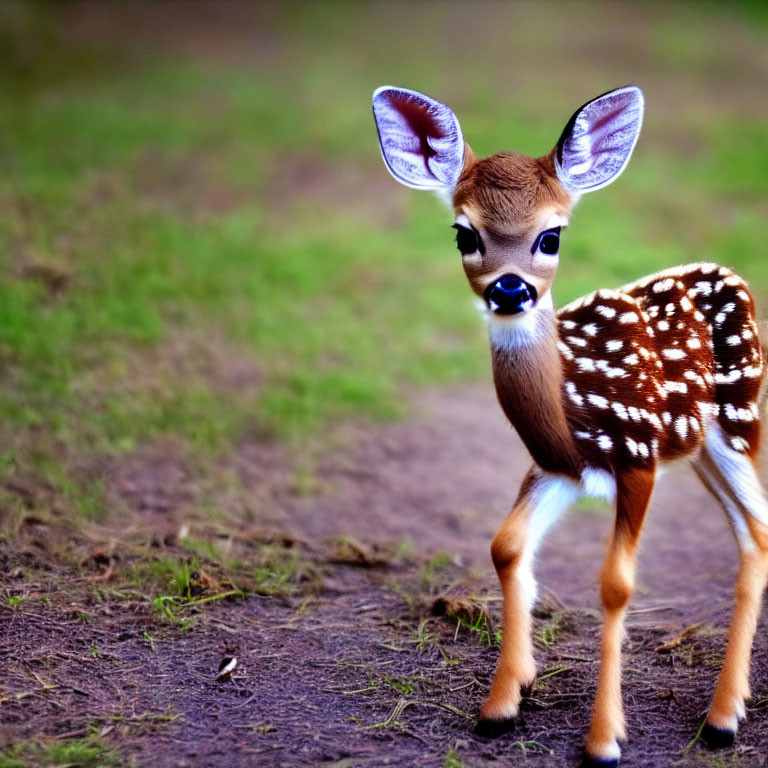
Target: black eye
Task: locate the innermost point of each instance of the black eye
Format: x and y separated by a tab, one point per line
467	240
548	242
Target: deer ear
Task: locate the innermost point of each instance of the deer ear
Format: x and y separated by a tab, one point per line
598	140
420	138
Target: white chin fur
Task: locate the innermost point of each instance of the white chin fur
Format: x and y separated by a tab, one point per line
522	329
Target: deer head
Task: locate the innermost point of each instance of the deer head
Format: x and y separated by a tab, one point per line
510	209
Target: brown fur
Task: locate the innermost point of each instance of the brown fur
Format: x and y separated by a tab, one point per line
529	383
667	320
617	583
516	667
508	189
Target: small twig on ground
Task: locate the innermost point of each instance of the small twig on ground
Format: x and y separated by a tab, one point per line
247	701
77	734
679	639
690	745
650	609
220	596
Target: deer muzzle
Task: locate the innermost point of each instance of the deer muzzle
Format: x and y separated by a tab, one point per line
510	295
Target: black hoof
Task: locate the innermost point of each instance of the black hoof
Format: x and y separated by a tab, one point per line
598	762
717	738
491	729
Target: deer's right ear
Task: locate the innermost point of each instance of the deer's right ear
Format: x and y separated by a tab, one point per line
420	138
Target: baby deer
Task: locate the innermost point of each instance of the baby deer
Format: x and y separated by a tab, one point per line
603	391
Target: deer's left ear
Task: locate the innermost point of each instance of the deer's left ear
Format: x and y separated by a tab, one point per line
420	138
598	140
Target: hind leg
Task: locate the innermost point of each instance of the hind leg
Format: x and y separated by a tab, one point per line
731	477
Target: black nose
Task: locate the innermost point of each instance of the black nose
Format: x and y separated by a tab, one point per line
510	295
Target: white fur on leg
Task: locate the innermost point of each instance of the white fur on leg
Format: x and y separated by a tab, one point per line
608	751
599	483
738	469
551	496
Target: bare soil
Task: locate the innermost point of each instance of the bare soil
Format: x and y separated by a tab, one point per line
358	667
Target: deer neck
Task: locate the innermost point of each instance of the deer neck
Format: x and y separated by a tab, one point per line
528	375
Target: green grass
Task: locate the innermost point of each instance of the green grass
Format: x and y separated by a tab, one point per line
86	752
168	575
164	215
280	571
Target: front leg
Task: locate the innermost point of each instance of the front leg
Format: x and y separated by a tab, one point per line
541	501
617	583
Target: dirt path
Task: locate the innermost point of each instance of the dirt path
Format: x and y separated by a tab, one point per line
359	670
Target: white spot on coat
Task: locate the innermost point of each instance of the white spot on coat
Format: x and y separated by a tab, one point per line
620	410
585	363
570	388
597	400
604	442
608	312
728	378
739	444
703	287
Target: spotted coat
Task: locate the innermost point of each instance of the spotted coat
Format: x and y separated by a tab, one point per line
648	367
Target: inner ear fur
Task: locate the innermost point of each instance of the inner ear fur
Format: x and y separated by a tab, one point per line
598	139
420	138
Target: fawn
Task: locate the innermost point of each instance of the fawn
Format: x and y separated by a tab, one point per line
603	391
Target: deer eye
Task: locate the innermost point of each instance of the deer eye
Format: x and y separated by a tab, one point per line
468	240
548	242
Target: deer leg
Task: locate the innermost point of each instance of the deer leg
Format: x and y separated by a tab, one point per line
617	583
542	499
732	479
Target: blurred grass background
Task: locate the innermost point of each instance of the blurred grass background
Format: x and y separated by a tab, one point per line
198	238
